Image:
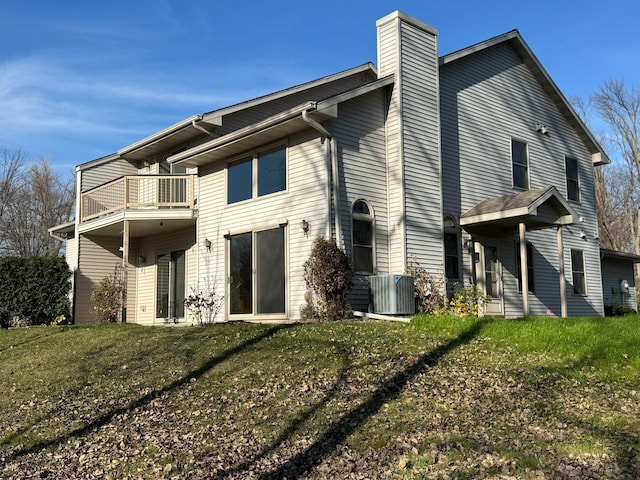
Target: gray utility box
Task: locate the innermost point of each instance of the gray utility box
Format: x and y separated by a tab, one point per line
392	294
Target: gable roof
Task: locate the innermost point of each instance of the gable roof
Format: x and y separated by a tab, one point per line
539	208
515	40
272	128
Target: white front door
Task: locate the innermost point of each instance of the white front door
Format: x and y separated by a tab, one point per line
490	278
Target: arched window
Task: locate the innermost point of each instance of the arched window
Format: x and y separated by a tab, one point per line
362	228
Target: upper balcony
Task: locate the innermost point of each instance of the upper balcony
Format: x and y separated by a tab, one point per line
138	197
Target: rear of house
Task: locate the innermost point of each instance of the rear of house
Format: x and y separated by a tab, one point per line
472	164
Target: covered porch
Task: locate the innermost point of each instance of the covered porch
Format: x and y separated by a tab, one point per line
520	213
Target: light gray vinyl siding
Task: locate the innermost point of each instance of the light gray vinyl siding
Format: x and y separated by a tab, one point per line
388	63
106	172
413	143
421	137
305	198
360	135
98	258
487	99
614	271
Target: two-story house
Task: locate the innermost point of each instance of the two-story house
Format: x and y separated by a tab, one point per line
473	164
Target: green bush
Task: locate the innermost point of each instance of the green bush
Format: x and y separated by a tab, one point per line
33	290
327	274
467	301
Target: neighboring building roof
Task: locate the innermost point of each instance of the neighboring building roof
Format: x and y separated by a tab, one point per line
613	254
539	208
515	40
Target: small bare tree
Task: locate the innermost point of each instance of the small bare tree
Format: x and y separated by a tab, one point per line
619	106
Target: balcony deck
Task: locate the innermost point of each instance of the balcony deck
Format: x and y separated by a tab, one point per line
138	192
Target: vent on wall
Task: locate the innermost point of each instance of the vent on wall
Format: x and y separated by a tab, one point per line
392	294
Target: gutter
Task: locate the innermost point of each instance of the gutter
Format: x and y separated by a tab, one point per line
333	181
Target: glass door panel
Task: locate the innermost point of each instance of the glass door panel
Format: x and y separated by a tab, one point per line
240	272
270	271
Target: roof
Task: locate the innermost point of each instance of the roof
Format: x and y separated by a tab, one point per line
515	40
613	254
539	208
271	128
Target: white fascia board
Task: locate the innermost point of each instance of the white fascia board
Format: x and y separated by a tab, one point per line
159	135
215	117
493	216
243	132
330	103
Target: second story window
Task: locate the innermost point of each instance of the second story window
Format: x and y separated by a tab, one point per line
520	164
257	175
362	223
573	179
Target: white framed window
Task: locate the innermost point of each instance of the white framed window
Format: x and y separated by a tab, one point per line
573	179
578	272
257	175
362	228
520	164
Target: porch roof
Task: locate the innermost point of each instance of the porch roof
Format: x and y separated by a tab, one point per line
537	209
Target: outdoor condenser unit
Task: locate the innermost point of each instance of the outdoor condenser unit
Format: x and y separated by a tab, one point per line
392	294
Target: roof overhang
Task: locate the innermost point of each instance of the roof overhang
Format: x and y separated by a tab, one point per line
537	209
606	254
64	231
271	129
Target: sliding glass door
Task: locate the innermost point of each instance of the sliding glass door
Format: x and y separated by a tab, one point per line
257	273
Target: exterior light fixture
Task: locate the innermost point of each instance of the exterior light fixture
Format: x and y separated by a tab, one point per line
542	129
142	259
304	225
207	244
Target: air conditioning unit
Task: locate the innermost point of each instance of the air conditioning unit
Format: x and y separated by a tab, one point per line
392	294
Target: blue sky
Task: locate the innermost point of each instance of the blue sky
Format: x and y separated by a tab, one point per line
82	79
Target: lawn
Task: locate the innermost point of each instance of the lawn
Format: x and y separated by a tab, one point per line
441	397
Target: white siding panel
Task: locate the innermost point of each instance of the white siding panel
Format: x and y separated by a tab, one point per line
305	198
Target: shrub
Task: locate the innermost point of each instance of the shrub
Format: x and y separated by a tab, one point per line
467	301
204	305
33	290
429	289
328	275
108	298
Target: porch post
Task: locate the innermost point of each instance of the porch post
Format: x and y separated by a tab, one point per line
563	289
125	263
523	268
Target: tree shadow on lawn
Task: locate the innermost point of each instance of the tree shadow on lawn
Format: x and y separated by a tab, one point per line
340	430
146	399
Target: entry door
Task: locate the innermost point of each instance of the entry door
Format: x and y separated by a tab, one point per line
257	273
491	275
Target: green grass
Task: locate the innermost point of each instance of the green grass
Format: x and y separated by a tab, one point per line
441	396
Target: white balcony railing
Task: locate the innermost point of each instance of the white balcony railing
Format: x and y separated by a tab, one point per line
138	192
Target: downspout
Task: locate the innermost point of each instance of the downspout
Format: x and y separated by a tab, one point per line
202	129
332	172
